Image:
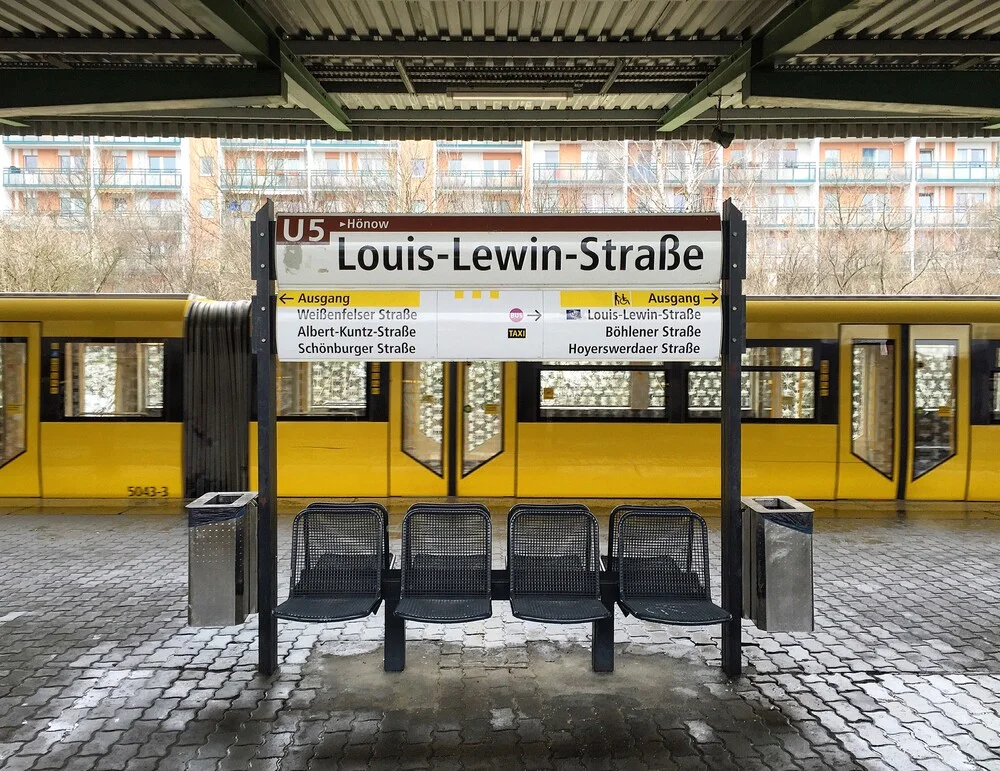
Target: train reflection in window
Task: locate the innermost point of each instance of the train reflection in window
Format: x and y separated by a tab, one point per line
779	383
114	379
13	371
322	388
935	371
423	414
873	420
570	390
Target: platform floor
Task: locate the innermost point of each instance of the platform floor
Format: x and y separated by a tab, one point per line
99	671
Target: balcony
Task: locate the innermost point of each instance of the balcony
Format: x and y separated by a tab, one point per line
956	172
782	218
353	179
926	217
864	173
36	179
481	179
158	142
770	173
265	144
264	181
139	179
875	218
577	174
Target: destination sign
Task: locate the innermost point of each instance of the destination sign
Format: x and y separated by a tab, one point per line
627	251
499	325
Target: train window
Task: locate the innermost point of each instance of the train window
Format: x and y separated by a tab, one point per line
779	383
483	414
114	379
935	373
322	388
873	389
995	384
13	372
571	391
423	414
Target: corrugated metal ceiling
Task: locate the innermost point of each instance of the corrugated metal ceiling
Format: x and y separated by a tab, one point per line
156	33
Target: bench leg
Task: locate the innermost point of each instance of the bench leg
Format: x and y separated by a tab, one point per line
395	639
602	647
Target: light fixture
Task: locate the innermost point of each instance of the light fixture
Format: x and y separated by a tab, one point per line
720	136
511	95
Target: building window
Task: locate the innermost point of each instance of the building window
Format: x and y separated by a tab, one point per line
569	390
419	168
31	203
162	163
119	162
876	156
965	200
925	157
119	204
925	200
114	380
206	166
206	208
419	207
454	165
789	158
971	155
333	163
831	156
779	383
30	162
72	206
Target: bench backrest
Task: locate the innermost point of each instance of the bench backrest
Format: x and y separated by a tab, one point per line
447	551
663	553
553	550
339	549
617	512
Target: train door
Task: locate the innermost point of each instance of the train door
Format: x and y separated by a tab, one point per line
937	403
452	429
904	412
20	369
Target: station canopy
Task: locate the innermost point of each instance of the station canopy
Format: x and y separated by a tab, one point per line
500	69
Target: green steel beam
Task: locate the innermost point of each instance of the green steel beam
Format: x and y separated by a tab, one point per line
952	93
796	28
44	92
247	31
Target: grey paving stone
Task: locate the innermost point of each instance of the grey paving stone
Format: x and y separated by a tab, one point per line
903	670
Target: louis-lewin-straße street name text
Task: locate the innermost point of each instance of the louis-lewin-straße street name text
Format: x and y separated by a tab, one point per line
518	251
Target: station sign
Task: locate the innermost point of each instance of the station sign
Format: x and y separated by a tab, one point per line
625	325
626	251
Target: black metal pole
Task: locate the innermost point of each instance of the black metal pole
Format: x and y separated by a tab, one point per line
263	271
734	257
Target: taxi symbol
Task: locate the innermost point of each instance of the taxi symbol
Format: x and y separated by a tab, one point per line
516	333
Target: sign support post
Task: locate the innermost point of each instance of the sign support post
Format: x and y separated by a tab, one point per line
734	255
263	328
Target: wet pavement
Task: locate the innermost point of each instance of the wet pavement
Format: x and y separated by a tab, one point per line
99	671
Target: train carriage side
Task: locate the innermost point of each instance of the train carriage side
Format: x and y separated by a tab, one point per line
91	395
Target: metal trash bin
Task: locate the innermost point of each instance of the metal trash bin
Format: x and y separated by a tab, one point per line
222	558
778	563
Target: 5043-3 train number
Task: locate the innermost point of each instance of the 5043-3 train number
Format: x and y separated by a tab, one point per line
148	492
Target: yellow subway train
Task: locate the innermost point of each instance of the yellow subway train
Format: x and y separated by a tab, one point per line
115	396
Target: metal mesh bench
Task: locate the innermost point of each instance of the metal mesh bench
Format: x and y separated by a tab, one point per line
662	562
339	552
553	561
611	562
446	562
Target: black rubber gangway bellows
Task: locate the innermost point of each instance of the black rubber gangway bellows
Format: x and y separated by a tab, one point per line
217	392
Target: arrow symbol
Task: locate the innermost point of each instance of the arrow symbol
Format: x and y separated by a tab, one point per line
535	315
284	298
714	298
342	223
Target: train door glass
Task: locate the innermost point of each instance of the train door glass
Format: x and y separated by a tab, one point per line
869	409
19	393
452	428
939	412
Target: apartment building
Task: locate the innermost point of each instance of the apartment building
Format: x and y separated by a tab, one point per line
912	186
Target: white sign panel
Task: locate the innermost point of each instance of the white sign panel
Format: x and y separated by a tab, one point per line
499	325
628	251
